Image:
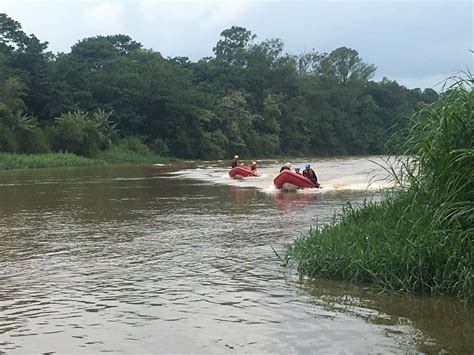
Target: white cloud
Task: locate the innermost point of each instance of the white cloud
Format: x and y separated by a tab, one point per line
6	5
200	13
187	28
226	13
104	17
436	82
412	42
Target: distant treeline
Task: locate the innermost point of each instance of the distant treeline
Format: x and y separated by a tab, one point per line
250	98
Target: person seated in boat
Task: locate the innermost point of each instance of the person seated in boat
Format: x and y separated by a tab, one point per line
297	170
253	167
287	166
235	162
310	174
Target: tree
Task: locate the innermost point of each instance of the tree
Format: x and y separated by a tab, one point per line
309	63
24	57
11	35
230	50
237	122
344	64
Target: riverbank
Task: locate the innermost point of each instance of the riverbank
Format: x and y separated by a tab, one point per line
10	161
420	237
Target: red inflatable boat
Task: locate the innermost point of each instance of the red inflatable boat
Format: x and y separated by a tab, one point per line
289	180
240	172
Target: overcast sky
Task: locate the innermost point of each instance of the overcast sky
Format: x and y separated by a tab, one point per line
417	43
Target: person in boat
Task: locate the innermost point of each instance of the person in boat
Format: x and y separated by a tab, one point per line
310	174
297	170
253	167
287	166
235	162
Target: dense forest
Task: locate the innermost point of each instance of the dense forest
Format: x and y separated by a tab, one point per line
249	98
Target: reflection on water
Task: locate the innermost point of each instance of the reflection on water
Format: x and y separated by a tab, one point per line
435	325
286	201
179	259
242	196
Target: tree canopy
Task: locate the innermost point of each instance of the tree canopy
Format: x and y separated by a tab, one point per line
250	98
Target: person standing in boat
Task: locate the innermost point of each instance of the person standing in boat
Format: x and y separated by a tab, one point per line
310	174
235	162
287	166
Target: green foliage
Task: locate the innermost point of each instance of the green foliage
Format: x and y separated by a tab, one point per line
32	141
11	93
104	126
160	147
420	237
132	143
8	141
19	132
11	35
111	156
439	168
232	47
69	133
81	133
237	121
22	161
344	64
116	155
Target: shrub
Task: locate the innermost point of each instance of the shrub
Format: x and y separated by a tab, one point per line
32	141
81	133
7	140
133	144
160	147
67	135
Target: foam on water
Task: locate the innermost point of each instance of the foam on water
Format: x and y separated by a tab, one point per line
340	174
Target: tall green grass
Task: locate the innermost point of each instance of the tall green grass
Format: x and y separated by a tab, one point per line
123	156
420	237
10	161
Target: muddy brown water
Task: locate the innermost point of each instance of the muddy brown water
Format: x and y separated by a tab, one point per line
179	258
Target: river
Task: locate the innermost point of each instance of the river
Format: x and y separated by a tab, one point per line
180	258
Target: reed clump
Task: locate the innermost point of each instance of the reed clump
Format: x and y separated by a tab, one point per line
420	237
